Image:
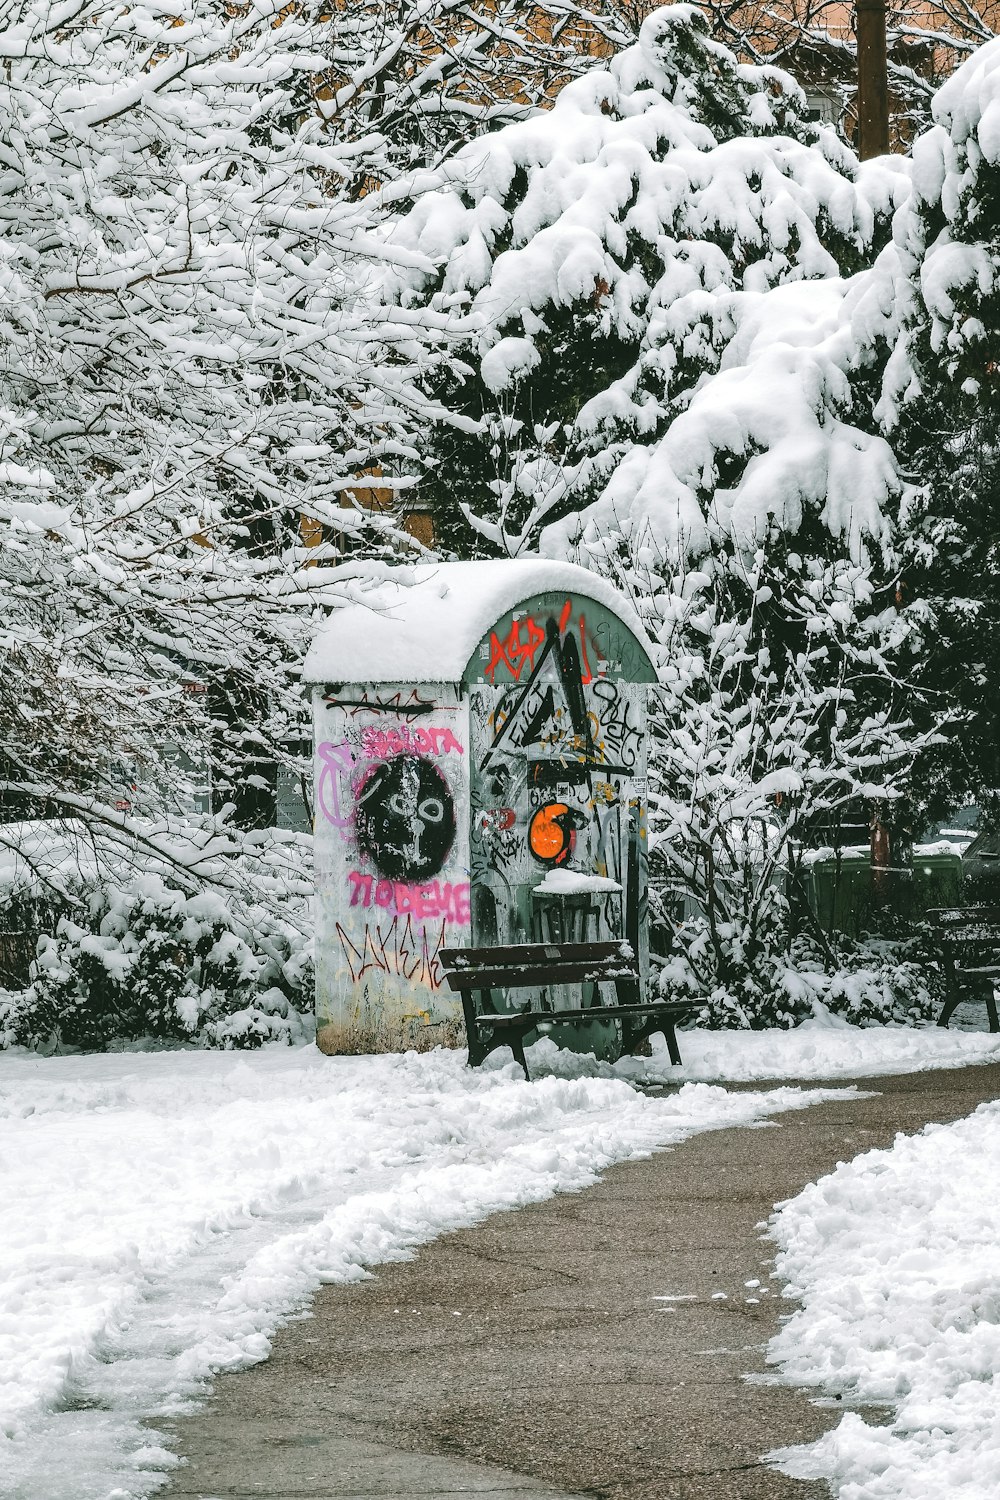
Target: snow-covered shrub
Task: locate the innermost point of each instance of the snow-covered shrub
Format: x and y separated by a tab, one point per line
147	961
867	984
878	983
735	984
777	709
23	915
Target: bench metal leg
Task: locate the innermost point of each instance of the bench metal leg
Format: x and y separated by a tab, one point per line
482	1042
516	1045
655	1023
672	1047
952	993
514	1039
991	1010
478	1049
948	1009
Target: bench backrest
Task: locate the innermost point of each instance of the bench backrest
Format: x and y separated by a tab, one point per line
518	966
962	926
533	954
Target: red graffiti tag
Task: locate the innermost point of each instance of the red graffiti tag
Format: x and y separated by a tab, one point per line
394	947
513	651
523	641
586	675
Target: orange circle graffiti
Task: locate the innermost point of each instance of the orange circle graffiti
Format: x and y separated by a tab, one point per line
550	837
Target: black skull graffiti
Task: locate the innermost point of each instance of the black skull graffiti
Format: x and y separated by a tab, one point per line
405	818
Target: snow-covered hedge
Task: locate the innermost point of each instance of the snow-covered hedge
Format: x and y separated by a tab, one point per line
144	960
786	983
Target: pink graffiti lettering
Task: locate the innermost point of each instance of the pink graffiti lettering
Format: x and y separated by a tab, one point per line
335	762
396	947
427	903
420	739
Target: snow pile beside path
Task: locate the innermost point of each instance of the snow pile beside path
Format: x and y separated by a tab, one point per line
820	1049
826	1049
172	1208
896	1256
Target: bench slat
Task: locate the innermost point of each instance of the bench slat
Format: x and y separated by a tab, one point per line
520	976
529	1019
532	953
962	916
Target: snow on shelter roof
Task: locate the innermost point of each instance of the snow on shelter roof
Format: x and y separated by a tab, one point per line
423	622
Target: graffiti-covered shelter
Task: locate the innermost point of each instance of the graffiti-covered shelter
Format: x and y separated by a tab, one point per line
480	763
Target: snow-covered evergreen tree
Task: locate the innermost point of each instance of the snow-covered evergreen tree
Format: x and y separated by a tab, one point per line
940	405
672	382
594	257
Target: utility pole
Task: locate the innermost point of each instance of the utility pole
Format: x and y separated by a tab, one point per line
873	81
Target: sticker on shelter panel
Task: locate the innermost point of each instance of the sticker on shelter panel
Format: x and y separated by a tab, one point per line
335	762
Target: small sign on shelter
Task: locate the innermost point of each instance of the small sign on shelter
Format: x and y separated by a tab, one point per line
480	768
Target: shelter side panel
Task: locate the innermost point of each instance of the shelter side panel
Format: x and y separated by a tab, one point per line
392	865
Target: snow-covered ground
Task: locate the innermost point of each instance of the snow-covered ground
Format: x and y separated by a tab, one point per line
896	1256
165	1211
820	1049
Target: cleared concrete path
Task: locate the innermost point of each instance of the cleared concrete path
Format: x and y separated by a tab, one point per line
529	1356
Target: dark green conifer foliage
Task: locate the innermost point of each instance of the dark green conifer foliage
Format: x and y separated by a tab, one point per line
613	365
948	440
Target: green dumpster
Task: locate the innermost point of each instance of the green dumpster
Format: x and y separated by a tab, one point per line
847	895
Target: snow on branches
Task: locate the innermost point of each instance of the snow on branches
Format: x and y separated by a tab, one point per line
598	257
676	321
947	246
187	372
423	76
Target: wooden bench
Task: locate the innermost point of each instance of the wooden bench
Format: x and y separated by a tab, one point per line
477	973
969	938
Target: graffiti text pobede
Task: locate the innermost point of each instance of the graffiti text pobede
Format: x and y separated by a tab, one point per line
427	903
